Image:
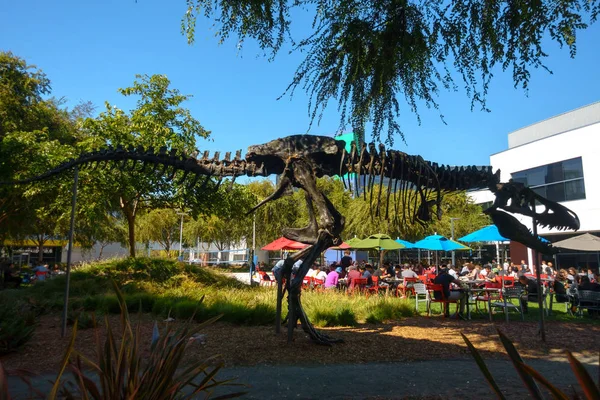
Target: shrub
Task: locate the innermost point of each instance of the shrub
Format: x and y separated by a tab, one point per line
110	304
343	317
16	327
386	310
162	306
185	309
84	319
143	302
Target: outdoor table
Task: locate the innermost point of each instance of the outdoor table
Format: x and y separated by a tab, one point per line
470	289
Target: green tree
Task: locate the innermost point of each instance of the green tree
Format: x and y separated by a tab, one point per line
274	216
470	216
369	54
158	120
160	225
224	222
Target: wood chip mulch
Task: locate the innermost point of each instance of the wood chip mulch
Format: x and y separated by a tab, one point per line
411	339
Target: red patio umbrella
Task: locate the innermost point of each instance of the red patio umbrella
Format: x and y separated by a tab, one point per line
343	246
284	244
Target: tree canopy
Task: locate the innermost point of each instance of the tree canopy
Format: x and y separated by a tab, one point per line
368	55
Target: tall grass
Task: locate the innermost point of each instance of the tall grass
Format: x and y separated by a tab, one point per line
166	288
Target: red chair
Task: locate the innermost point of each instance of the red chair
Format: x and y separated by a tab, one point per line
405	287
434	287
484	297
265	280
509	281
360	285
374	288
422	278
430	277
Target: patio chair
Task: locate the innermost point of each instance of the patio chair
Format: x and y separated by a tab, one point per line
434	287
359	285
265	280
589	300
509	294
509	281
485	297
421	291
407	286
374	288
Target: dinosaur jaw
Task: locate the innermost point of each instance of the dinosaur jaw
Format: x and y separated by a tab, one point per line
512	229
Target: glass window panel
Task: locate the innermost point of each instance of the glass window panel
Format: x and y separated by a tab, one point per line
536	176
556	192
540	190
554	173
520	177
572	168
575	190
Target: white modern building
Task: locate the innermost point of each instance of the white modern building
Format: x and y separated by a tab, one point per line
560	159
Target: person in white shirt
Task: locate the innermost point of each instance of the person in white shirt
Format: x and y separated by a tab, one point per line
321	275
409	273
452	272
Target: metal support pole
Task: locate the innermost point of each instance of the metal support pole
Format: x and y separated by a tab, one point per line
452	237
251	263
63	330
181	237
539	279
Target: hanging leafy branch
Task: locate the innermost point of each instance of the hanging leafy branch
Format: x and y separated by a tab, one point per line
368	55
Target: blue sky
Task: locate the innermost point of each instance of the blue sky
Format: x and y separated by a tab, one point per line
90	48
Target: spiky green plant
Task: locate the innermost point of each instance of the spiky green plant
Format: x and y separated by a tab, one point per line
529	376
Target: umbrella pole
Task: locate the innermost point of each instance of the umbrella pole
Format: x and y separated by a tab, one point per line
538	279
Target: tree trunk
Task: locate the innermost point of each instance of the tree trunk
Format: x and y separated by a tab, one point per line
129	209
41	242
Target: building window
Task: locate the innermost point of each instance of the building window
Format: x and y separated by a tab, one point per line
559	181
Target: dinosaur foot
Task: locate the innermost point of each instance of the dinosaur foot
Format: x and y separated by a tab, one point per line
315	335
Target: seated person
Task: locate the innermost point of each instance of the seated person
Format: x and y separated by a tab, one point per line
560	291
465	270
407	272
352	275
391	271
12	275
40	272
532	292
445	279
322	274
452	271
382	272
368	273
332	278
398	271
473	271
490	276
586	284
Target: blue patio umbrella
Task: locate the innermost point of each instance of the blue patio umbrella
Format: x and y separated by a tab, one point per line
439	243
406	243
487	234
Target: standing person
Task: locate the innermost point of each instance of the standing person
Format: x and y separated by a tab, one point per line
524	268
40	272
346	261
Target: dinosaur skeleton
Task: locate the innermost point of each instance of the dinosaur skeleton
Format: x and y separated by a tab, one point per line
418	186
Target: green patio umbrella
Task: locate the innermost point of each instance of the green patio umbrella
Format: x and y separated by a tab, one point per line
353	241
381	242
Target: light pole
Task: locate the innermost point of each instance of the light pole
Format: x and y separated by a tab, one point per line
183	214
452	237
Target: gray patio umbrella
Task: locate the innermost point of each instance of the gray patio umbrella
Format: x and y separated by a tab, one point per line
585	242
